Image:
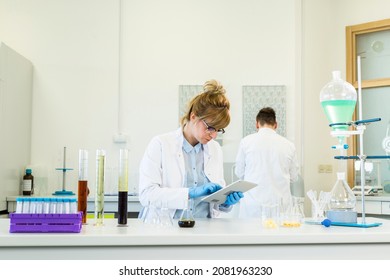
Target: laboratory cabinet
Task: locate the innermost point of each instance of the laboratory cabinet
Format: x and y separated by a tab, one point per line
15	120
219	238
375	205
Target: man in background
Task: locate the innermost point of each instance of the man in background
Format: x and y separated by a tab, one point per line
269	160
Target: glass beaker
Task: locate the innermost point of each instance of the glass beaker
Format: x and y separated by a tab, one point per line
187	219
338	100
270	214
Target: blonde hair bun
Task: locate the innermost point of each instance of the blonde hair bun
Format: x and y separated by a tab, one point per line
213	87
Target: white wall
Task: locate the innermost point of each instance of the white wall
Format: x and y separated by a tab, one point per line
74	47
15	120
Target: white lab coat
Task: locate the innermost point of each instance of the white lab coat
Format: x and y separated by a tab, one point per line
162	171
269	160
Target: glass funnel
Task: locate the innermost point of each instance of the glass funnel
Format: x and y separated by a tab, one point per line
338	100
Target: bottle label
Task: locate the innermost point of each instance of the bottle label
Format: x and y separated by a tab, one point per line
27	185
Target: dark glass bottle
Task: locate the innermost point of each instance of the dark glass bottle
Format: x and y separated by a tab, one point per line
28	183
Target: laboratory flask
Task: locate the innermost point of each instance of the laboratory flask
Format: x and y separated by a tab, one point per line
150	214
165	214
187	219
338	100
342	202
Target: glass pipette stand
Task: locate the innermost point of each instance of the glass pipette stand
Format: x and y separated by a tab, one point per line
360	127
64	170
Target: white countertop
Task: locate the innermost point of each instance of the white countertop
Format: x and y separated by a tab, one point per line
221	238
206	231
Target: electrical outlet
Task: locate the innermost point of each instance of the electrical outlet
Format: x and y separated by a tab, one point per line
328	168
325	168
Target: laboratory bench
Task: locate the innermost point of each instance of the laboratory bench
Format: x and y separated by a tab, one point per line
110	204
218	238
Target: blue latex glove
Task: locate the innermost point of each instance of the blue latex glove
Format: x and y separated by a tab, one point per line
233	198
203	190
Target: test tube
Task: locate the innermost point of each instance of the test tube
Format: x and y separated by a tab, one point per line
46	205
99	196
26	206
19	205
53	206
33	205
73	205
83	190
39	209
60	206
123	186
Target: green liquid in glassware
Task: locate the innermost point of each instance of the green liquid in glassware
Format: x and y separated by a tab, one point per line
339	111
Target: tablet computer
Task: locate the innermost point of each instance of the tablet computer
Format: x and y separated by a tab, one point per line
237	186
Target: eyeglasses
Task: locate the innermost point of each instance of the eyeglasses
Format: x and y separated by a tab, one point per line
211	129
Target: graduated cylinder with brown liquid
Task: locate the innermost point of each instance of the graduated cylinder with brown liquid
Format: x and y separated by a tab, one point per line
83	190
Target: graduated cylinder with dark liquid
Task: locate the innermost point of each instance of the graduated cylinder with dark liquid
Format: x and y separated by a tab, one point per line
83	191
123	186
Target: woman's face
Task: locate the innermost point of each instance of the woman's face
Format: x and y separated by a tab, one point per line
200	131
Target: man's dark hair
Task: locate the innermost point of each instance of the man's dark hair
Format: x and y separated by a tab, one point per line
266	116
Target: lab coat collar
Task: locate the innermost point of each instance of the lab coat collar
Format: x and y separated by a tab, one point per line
266	130
180	138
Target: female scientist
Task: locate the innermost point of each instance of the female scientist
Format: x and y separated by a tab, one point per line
187	163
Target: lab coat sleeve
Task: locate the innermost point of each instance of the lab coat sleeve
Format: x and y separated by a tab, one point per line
160	179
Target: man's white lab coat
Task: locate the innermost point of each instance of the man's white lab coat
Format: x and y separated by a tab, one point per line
269	160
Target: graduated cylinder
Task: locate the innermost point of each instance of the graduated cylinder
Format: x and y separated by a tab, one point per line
123	186
83	191
99	194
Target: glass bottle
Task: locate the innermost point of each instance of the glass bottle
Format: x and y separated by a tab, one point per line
28	183
338	100
187	219
341	196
